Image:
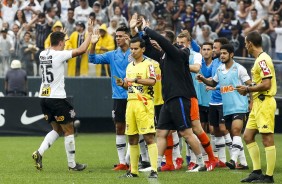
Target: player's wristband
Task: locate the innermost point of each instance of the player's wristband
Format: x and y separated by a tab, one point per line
136	80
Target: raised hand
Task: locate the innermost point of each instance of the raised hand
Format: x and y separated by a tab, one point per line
144	23
95	36
133	21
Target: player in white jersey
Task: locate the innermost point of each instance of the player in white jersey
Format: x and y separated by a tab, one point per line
56	109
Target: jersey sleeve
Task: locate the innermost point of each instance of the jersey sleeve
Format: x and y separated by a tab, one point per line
65	55
151	71
198	59
243	74
265	71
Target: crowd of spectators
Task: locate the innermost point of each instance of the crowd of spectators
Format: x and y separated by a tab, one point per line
26	25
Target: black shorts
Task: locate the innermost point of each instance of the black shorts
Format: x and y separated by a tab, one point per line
215	115
229	118
204	114
59	110
119	108
175	114
157	113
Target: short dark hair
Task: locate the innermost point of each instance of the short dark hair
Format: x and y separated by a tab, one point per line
70	9
207	43
137	39
92	14
170	35
255	38
124	29
56	37
228	47
222	40
41	15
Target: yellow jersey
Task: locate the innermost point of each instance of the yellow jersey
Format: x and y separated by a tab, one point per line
142	70
264	68
158	97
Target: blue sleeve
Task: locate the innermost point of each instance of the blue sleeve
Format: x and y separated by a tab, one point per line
195	46
206	71
99	58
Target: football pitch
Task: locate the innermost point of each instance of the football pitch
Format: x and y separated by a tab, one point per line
99	153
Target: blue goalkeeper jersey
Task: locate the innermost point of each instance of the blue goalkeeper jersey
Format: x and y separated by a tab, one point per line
204	94
210	72
118	61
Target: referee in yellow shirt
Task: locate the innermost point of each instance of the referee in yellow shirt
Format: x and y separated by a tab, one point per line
261	118
140	113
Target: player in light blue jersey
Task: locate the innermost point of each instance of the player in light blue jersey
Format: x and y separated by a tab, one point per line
222	136
118	61
235	106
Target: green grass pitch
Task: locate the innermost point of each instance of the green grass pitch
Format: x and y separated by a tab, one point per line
98	151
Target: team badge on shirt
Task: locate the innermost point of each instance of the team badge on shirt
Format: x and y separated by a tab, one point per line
152	71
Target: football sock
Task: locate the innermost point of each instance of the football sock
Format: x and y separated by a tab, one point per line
70	150
255	155
168	151
134	158
220	146
228	143
236	148
176	150
213	145
49	139
200	160
270	153
205	141
242	157
153	154
121	145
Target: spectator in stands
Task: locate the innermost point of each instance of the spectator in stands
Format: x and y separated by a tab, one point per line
6	48
51	14
113	26
54	4
30	7
211	9
254	17
238	42
78	66
81	13
20	18
224	28
206	36
101	17
242	13
42	30
65	5
8	11
143	7
70	22
278	30
117	13
16	80
106	43
92	16
16	40
28	51
262	8
58	26
189	15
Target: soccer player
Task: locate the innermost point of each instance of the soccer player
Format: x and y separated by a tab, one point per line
222	136
56	109
261	118
140	79
118	61
235	106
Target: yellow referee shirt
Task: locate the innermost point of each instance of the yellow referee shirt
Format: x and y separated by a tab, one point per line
143	70
264	68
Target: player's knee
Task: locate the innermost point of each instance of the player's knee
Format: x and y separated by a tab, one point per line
120	129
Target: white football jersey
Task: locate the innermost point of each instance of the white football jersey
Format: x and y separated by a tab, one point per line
52	70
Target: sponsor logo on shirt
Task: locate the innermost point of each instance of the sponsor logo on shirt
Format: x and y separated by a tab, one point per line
264	68
226	89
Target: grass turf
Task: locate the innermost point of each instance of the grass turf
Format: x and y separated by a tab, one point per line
98	151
